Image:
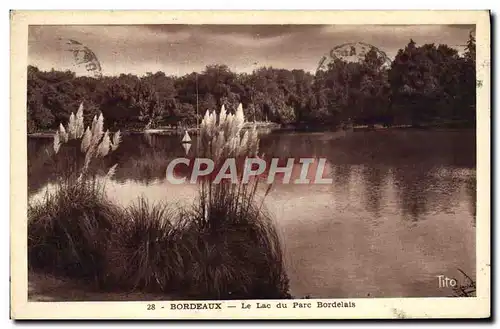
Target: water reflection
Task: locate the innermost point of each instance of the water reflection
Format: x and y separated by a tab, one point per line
413	188
472	194
375	179
425	179
400	210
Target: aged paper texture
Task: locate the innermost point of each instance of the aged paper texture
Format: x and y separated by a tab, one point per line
250	164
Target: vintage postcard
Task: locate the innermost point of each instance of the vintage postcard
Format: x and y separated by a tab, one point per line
250	164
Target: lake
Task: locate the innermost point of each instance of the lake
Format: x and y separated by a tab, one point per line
400	210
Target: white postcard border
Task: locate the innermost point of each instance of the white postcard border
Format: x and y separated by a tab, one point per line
366	308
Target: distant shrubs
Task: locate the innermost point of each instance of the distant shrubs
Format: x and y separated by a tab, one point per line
223	247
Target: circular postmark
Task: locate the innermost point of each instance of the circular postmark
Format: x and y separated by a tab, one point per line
351	52
84	57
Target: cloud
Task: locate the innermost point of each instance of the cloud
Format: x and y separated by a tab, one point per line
262	31
180	49
391	38
247	41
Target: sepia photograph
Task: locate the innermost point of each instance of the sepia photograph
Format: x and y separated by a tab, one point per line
204	164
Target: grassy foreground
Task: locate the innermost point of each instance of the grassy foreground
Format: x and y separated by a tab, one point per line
78	233
223	247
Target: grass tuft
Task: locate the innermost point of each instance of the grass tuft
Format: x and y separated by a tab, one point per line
143	256
69	232
225	247
236	260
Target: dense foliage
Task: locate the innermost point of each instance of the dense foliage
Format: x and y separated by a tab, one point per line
425	84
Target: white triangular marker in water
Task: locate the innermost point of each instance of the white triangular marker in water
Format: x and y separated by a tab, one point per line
187	147
186	138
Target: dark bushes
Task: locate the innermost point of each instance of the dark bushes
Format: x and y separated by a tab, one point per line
79	233
70	231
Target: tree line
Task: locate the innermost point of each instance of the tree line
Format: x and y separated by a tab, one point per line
427	84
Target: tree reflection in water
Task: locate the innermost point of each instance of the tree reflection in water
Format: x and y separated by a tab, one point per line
426	170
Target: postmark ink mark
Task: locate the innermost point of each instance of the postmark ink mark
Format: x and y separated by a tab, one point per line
84	56
351	51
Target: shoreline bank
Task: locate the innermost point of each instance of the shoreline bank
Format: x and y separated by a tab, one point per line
194	131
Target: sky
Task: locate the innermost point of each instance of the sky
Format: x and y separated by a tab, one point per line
181	49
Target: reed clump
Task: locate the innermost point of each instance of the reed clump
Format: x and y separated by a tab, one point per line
143	255
224	247
70	231
237	249
236	260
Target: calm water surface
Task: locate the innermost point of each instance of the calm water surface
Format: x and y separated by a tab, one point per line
400	211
